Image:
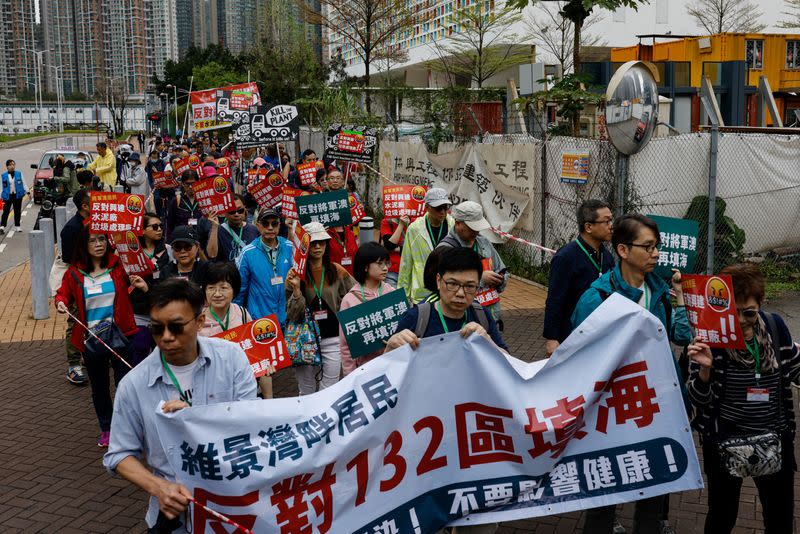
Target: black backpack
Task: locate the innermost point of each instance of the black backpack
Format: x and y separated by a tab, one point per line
424	316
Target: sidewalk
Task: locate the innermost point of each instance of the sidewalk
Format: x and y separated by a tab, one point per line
53	479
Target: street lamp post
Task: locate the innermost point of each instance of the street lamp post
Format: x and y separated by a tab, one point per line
175	94
165	106
59	95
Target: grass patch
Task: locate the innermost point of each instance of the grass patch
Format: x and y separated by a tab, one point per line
782	276
5	138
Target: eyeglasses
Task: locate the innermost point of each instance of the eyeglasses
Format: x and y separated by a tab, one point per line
182	246
383	263
647	247
240	211
158	329
219	289
157	226
271	223
749	313
453	287
607	222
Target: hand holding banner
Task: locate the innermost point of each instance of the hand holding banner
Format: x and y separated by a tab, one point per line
213	195
712	310
262	341
116	212
369	325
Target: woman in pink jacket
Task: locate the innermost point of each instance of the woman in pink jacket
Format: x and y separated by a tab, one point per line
370	266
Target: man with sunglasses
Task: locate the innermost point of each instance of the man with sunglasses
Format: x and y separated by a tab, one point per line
184	210
422	236
183	370
573	269
264	266
636	242
227	240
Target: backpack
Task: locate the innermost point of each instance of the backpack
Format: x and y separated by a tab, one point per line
424	316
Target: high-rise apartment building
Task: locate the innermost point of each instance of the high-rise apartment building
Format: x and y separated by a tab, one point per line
184	25
18	61
205	23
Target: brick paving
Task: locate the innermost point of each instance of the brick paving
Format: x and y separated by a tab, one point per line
52	478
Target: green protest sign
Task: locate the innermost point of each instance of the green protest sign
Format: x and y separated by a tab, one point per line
369	325
331	209
678	245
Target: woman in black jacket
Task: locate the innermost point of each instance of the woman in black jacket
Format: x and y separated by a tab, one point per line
744	397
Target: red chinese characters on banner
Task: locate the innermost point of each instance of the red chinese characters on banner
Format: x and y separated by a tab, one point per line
487	296
288	205
404	200
631	398
180	165
214	195
201	518
254	176
131	254
302	242
268	193
350	141
711	310
116	212
356	209
480	431
223	167
164	180
308	173
292	497
566	422
262	341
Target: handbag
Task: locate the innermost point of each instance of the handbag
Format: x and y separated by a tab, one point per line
751	456
302	341
109	332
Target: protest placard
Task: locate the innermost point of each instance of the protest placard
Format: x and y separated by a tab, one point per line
369	325
180	165
131	254
254	176
452	432
268	193
204	105
262	341
194	162
711	310
302	242
263	126
116	212
308	173
289	204
574	167
214	195
230	104
678	245
356	209
223	167
351	142
331	208
400	200
164	180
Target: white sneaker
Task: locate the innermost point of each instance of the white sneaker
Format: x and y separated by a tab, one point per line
17	228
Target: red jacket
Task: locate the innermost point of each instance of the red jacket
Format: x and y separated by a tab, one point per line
337	251
388	226
71	291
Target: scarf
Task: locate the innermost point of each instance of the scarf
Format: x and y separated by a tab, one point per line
769	360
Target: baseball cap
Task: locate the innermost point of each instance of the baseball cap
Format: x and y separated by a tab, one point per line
436	196
135	157
259	161
184	234
210	171
266	213
471	214
316	231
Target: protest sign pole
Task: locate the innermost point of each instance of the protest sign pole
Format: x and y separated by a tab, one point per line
712	198
40	290
78	321
520	240
379	173
223	518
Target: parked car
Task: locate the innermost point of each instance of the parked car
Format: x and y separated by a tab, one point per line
42	180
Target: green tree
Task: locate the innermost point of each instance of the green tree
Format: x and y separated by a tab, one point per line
571	96
212	75
179	73
485	46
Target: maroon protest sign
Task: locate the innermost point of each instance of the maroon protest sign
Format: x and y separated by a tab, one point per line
712	311
308	173
131	254
194	162
223	167
164	180
262	341
180	165
214	195
268	193
356	209
301	241
254	176
116	212
289	206
403	200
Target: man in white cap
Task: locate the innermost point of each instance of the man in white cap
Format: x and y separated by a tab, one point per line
469	222
422	236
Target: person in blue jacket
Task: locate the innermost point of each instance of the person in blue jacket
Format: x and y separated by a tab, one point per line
263	265
13	191
636	241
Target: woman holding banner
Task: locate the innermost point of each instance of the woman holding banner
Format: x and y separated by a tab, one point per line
370	268
320	293
98	285
745	414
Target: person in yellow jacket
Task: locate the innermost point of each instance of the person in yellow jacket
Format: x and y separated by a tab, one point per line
422	236
105	166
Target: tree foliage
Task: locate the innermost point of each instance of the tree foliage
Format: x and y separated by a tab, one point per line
213	74
727	16
485	45
572	97
179	73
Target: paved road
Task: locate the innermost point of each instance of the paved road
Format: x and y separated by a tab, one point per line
14	245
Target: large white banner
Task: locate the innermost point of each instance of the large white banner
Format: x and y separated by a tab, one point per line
452	433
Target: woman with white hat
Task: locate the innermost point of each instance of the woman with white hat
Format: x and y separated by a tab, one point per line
321	291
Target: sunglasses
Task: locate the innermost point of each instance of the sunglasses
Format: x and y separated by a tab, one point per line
749	314
240	211
271	223
157	226
158	329
182	246
443	207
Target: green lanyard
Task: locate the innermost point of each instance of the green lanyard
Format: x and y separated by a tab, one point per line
174	380
233	235
318	290
190	208
219	321
268	253
84	273
364	297
342	244
430	232
441	318
647	294
591	259
756	353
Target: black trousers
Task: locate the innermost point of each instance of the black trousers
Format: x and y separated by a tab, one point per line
776	493
16	203
647	517
97	364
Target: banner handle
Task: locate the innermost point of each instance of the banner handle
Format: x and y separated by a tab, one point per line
520	240
221	517
100	340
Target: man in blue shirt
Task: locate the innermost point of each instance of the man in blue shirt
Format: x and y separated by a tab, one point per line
458	278
574	268
183	370
263	266
13	192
